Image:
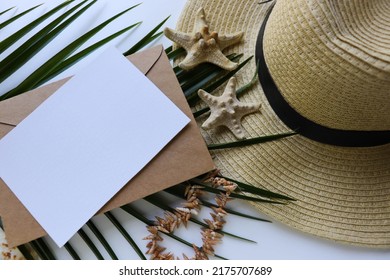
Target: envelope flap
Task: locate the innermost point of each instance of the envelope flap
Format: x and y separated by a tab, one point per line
149	58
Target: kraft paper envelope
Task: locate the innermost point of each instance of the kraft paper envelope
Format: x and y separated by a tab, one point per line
185	157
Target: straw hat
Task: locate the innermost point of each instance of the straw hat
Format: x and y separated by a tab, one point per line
325	70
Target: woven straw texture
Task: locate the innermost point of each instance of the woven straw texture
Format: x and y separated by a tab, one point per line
330	64
342	193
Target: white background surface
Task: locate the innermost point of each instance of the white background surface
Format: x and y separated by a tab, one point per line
274	241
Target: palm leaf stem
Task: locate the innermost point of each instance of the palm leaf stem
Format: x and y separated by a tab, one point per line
168	50
230	211
102	240
242	187
43	251
177	190
259	191
90	244
41	254
209	188
125	234
25	252
205	75
136	214
69	248
173	54
249	85
249	141
193	97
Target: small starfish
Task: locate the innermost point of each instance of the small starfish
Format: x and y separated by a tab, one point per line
203	46
227	110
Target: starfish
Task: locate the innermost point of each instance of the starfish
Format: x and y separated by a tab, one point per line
203	46
227	110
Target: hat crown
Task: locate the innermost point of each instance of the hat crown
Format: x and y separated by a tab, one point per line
331	60
342	193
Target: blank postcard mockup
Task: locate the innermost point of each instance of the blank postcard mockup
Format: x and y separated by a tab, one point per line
85	142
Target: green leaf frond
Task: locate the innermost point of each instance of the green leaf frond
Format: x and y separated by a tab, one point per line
32	46
250	141
14	18
148	38
38	75
6	43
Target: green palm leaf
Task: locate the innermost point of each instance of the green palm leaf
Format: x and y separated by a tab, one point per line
90	244
230	211
9	9
192	93
38	75
102	240
250	141
146	39
42	249
258	191
80	55
11	20
207	187
173	54
193	78
125	234
25	252
32	46
71	251
6	43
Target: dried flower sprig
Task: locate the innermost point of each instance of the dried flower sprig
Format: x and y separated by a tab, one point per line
211	235
170	222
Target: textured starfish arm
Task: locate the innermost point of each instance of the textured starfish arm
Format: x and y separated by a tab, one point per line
236	128
225	41
189	62
222	61
200	21
247	108
230	90
211	122
178	37
206	97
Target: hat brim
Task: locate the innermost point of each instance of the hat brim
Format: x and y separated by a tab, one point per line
342	193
